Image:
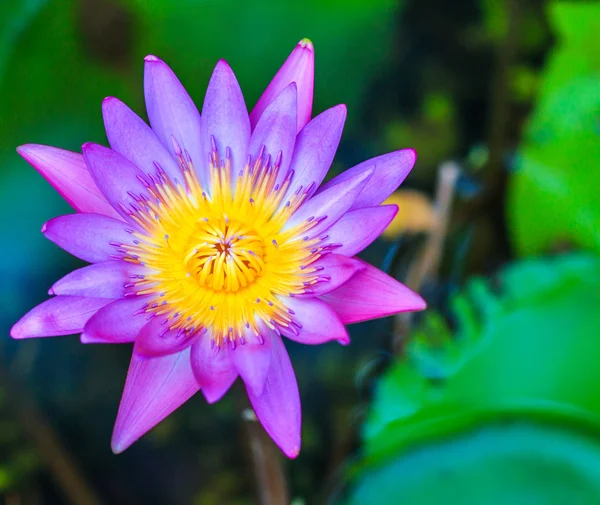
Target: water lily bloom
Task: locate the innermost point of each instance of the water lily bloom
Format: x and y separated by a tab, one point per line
210	238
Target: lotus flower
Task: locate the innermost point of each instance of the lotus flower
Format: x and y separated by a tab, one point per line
210	238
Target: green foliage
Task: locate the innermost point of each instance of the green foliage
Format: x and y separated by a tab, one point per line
524	350
256	37
552	197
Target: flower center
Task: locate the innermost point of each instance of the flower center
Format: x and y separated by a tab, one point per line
223	255
223	261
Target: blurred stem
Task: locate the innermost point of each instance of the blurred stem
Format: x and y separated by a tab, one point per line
428	261
271	485
500	94
57	459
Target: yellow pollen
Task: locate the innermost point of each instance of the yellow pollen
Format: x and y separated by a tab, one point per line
218	258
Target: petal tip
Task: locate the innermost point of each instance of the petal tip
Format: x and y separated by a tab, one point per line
17	332
151	58
293	452
45	227
117	446
306	43
25	151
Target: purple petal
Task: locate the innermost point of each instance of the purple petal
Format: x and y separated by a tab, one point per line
63	315
213	368
155	339
315	148
117	323
252	360
225	116
173	114
155	387
278	407
100	280
116	176
88	236
371	294
319	323
335	271
390	170
276	130
67	172
359	228
299	68
131	137
330	205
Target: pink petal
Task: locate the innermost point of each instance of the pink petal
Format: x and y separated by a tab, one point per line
118	178
371	294
63	315
173	114
155	387
276	130
359	228
155	339
117	323
225	116
278	407
315	148
213	368
100	280
299	68
335	270
252	360
131	137
67	172
319	323
390	170
88	236
330	205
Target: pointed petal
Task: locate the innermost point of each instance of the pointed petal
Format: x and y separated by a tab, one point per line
330	205
118	178
276	130
359	228
213	368
371	294
252	360
278	407
315	148
131	137
155	339
155	387
390	170
88	236
173	114
67	172
299	68
62	315
225	116
335	270
318	323
117	323
100	280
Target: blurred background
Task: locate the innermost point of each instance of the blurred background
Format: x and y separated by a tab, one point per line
489	397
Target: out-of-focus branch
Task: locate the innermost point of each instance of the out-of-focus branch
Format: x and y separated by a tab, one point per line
426	265
271	485
500	94
57	459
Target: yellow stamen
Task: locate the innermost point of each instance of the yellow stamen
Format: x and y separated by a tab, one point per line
218	258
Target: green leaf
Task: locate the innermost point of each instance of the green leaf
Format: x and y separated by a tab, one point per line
552	197
524	349
519	463
15	15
